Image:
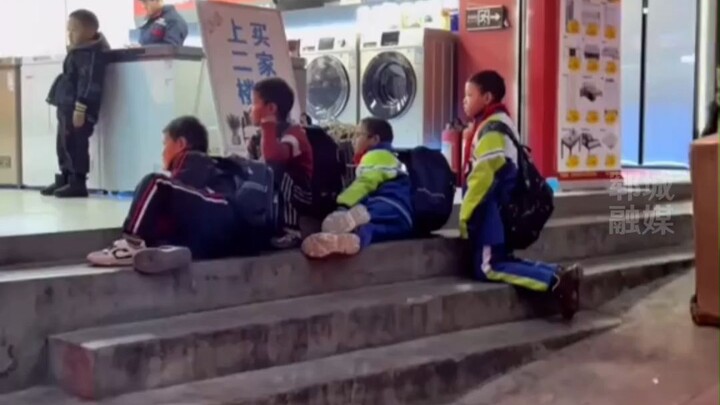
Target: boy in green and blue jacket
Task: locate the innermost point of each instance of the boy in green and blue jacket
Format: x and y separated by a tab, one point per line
376	207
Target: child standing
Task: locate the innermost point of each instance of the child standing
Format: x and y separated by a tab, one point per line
491	173
376	207
285	148
77	94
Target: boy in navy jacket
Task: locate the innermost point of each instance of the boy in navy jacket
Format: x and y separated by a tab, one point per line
77	93
376	207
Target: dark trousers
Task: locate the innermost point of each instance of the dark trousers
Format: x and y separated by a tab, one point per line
73	145
294	201
165	211
387	223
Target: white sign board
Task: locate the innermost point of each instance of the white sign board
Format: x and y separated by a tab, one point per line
243	45
589	139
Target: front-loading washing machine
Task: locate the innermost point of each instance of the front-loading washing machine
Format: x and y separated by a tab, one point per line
408	78
332	77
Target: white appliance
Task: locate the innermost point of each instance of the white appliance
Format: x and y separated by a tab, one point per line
332	77
146	89
39	124
408	78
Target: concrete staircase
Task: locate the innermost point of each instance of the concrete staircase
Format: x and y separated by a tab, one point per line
398	324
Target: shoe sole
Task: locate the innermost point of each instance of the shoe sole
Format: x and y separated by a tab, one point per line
161	260
346	222
320	246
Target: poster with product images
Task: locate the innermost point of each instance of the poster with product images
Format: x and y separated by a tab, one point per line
589	138
243	45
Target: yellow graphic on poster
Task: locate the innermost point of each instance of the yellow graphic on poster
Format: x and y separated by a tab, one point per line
589	116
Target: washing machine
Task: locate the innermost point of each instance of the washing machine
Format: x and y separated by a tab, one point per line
332	77
408	78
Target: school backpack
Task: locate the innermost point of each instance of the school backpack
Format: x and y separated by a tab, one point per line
531	200
327	180
254	198
433	187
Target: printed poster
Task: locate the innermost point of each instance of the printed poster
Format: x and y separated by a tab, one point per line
589	137
243	44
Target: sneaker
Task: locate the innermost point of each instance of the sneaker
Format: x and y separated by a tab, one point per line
120	254
346	221
291	240
60	181
75	188
567	290
322	245
161	259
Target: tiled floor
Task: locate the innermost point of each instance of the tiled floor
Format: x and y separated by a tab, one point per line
27	213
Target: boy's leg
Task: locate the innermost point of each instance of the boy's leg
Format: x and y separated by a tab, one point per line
61	179
77	145
288	193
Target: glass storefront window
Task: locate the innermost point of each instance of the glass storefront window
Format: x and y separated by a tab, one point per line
631	36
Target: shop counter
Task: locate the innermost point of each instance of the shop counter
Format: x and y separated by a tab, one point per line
145	88
10	168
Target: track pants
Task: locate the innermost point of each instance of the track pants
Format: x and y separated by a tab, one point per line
294	200
73	145
165	211
497	264
387	223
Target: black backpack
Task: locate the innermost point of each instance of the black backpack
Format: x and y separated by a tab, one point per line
531	200
327	180
433	187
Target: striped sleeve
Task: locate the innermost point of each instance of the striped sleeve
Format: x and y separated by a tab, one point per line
375	168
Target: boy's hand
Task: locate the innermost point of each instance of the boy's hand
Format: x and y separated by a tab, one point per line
78	119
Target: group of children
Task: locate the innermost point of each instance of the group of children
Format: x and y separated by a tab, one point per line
197	209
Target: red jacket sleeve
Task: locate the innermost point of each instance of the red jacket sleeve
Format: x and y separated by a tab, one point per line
273	149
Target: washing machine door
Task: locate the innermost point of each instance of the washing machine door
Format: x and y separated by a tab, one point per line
389	85
328	88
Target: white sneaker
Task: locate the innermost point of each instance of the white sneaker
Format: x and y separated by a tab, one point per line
162	259
346	221
121	253
322	245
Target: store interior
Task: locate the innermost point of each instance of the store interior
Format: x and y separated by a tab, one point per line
660	105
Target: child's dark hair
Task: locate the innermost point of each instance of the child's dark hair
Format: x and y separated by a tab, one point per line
490	81
86	18
378	127
276	90
190	129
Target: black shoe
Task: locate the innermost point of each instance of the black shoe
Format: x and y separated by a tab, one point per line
567	291
76	188
61	180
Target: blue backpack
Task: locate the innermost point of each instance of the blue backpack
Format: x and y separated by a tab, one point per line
433	187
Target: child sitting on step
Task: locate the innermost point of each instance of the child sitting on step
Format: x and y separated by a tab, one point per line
376	207
190	211
490	173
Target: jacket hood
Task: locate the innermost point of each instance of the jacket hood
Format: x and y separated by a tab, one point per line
100	42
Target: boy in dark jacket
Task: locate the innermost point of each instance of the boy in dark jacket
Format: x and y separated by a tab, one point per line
77	94
376	207
193	207
164	25
285	148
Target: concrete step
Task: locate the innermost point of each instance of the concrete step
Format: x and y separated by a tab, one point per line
102	362
67	298
18	251
412	372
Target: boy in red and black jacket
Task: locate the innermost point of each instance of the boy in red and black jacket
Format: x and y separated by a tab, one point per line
285	148
193	210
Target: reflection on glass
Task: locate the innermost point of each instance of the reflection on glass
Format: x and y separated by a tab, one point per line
670	81
328	88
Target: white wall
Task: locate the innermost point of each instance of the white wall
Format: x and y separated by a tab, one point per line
38	27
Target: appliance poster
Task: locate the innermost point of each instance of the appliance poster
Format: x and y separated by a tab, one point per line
243	44
589	138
